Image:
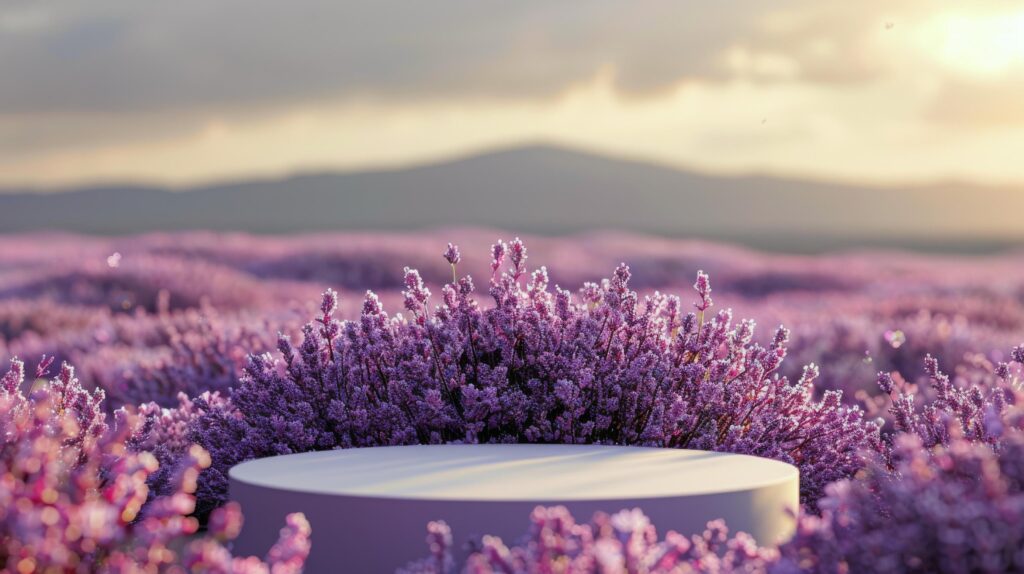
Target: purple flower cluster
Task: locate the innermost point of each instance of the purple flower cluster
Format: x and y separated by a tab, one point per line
192	352
602	366
953	508
946	495
625	542
144	356
855	341
73	492
166	434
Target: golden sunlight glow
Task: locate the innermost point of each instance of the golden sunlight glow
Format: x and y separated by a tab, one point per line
987	45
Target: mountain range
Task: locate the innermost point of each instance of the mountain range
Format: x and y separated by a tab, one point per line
549	190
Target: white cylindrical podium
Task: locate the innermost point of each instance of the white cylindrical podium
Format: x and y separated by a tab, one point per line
369	507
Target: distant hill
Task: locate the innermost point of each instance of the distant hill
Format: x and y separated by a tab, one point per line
549	190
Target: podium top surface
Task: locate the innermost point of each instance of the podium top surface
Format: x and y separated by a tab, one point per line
514	472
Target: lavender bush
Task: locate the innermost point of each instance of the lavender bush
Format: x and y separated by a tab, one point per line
945	494
948	493
166	434
896	336
139	281
73	493
144	356
539	365
192	352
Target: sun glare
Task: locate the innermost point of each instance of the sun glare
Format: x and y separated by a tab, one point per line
988	45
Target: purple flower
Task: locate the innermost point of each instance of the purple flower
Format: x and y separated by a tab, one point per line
329	303
497	255
452	255
1018	354
703	287
885	382
517	253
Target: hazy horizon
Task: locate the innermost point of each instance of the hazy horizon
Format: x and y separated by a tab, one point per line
578	192
453	158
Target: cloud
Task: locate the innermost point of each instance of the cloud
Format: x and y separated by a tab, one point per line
108	55
977	105
189	90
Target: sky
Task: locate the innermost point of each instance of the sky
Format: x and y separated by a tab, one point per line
192	91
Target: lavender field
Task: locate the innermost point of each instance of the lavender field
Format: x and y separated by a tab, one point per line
894	388
783	233
146	317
